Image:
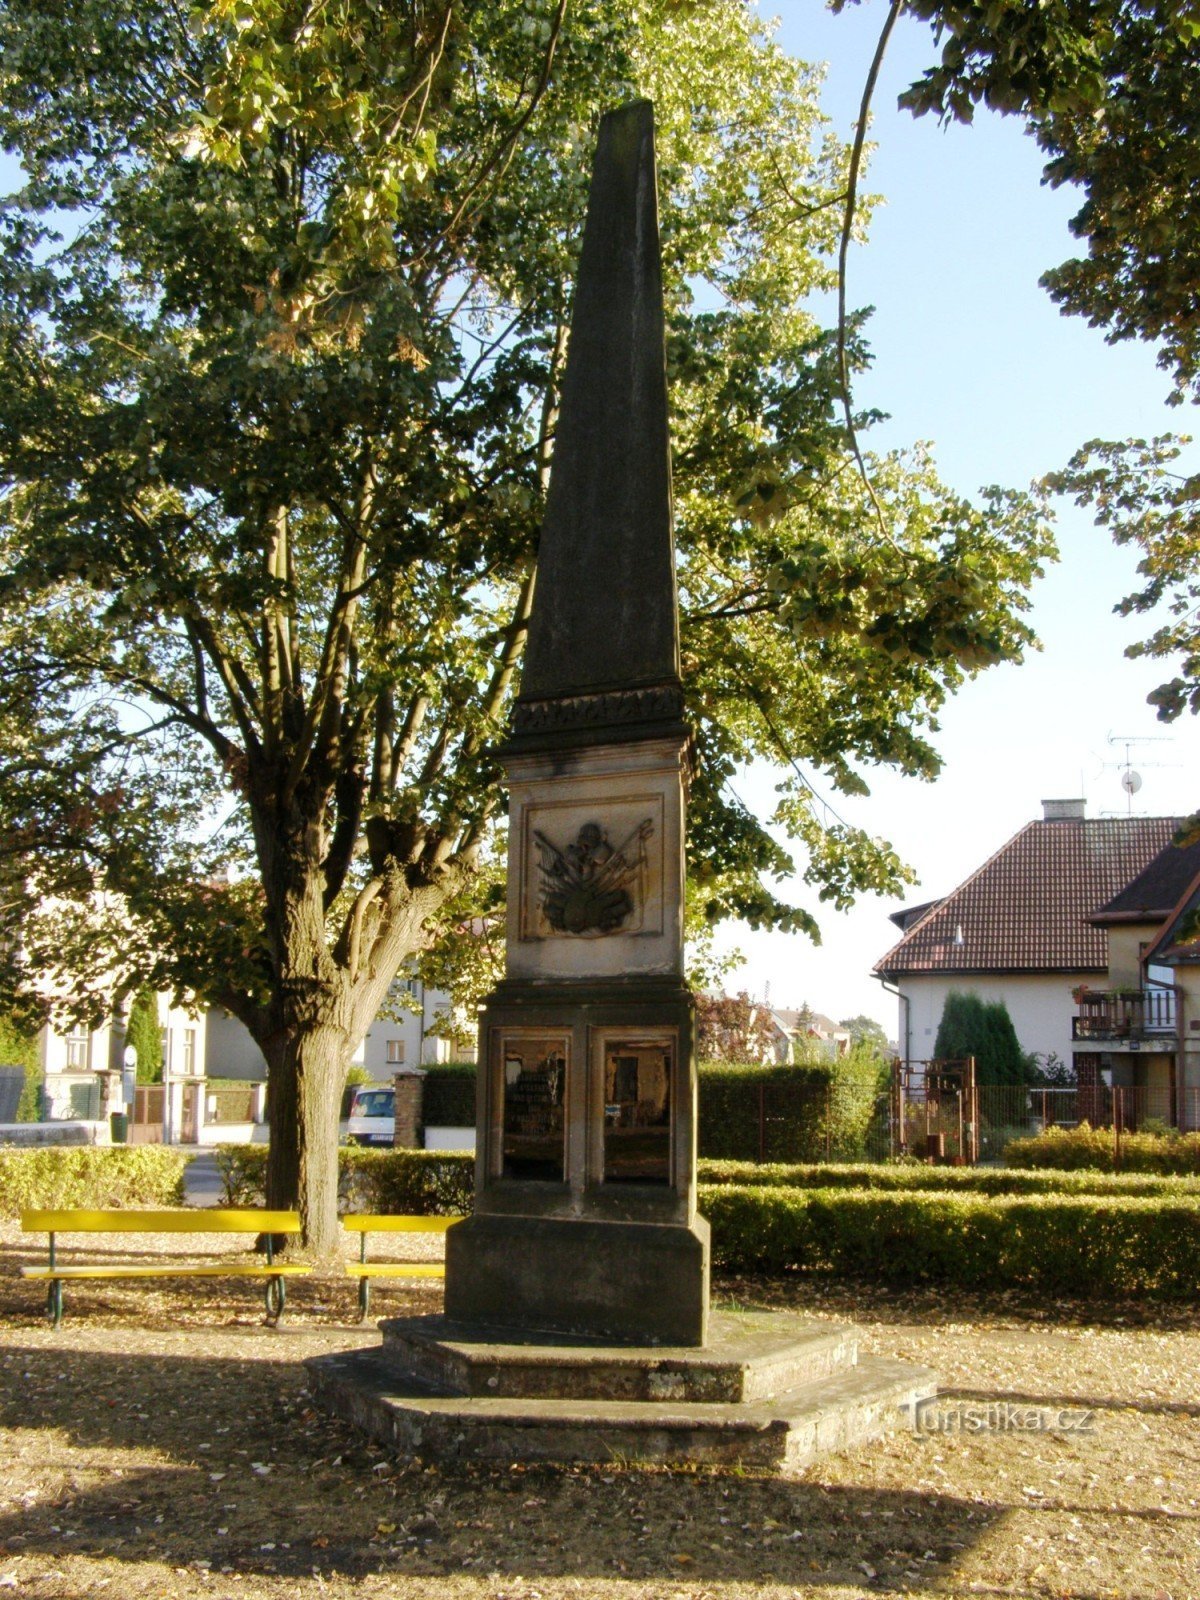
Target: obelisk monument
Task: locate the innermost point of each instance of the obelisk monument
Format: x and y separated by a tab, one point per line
585	1216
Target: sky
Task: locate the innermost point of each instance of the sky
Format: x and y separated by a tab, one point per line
971	355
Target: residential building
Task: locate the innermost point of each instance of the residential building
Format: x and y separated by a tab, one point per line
797	1029
1139	1030
1020	928
81	1066
398	1037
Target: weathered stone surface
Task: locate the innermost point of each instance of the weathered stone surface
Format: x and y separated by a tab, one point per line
787	1432
605	615
638	1281
748	1357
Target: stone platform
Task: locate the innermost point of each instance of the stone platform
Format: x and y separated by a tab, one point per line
768	1390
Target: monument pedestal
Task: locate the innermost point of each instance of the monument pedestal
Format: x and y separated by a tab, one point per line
770	1391
627	1281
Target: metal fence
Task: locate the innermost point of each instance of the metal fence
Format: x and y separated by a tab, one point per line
935	1112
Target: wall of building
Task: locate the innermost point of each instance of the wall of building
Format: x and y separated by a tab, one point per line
71	1055
1041	1007
392	1040
1125	945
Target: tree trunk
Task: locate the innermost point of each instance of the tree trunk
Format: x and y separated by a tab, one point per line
307	1070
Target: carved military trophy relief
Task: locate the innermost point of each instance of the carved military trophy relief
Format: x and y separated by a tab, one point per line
591	887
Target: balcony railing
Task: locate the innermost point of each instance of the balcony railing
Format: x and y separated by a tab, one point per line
1124	1014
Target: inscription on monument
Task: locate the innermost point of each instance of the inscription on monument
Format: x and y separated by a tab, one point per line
591	885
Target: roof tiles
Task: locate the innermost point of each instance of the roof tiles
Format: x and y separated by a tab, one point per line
1027	908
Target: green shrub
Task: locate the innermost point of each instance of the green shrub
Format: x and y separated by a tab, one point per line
421	1183
785	1106
145	1036
449	1095
242	1169
19	1048
90	1176
956	1180
983	1029
1074	1149
1057	1244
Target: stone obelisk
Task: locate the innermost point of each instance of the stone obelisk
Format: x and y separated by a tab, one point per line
585	1216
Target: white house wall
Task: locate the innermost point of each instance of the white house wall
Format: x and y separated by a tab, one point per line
1041	1007
390	1042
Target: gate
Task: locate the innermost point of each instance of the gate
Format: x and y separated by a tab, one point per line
935	1110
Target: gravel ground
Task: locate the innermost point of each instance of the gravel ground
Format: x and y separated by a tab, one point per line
162	1444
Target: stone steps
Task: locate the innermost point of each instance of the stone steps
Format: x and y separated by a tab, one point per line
847	1404
749	1357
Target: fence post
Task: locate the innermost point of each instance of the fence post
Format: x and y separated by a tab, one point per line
828	1122
1118	1095
762	1122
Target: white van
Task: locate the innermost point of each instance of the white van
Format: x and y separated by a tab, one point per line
372	1115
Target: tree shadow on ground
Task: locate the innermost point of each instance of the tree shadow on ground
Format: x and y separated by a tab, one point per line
222	1463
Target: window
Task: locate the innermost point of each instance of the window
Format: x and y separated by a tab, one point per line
533	1087
188	1064
395	1052
77	1050
637	1111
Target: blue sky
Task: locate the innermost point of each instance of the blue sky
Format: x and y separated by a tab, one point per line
972	355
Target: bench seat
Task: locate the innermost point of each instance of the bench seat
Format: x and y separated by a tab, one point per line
177	1221
364	1223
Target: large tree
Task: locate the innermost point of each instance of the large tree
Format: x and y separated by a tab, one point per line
283	309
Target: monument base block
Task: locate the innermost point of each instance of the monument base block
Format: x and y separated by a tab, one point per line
770	1391
644	1283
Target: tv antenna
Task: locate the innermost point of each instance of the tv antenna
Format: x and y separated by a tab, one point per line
1130	780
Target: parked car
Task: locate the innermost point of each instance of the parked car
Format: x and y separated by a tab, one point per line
372	1116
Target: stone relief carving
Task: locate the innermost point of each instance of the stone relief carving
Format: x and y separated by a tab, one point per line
590	886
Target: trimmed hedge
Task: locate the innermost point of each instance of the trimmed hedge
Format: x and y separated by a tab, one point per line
812	1111
1057	1244
449	1095
422	1183
956	1180
1073	1149
96	1177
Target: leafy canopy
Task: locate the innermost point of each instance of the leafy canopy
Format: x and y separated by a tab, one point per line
283	307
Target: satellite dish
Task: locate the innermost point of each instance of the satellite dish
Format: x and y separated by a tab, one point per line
1131	781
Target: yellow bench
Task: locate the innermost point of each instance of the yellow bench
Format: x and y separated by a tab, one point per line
364	1223
194	1221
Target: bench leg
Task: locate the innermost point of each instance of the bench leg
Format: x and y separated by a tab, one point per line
276	1297
54	1301
364	1298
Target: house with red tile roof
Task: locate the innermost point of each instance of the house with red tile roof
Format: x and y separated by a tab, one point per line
1140	1030
1020	929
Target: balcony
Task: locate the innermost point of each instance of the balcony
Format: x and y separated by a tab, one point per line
1124	1014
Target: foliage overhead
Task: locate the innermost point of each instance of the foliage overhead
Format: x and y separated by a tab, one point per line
283	311
1111	91
274	460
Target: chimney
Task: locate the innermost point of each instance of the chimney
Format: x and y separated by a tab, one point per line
1063	810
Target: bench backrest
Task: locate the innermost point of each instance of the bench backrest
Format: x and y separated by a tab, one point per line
198	1220
366	1222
